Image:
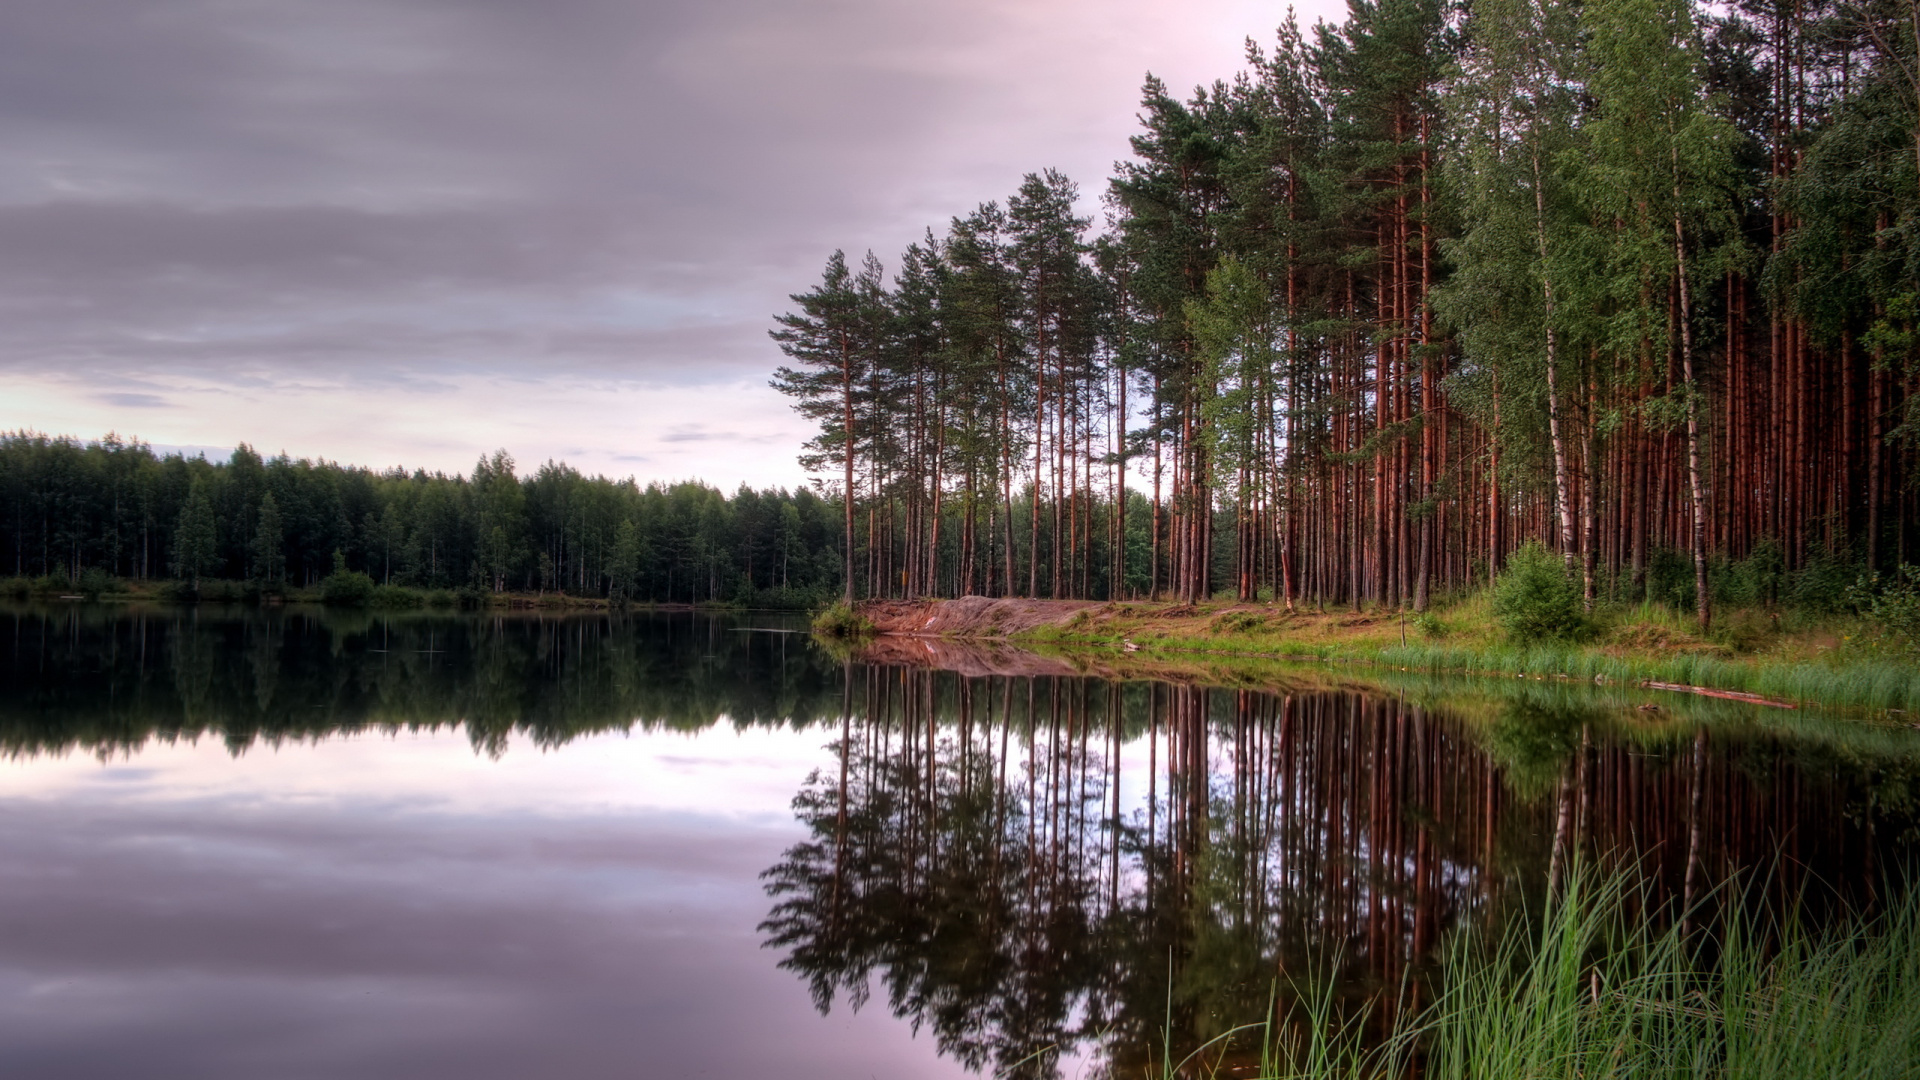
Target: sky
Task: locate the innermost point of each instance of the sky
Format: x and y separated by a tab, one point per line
408	232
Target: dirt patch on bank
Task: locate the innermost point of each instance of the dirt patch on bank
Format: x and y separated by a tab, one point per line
973	616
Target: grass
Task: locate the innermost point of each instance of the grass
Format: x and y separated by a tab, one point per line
1593	990
1839	661
841	622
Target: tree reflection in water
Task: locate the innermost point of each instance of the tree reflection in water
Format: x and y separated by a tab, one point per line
107	679
982	853
1045	863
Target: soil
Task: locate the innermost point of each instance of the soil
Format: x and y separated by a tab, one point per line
972	616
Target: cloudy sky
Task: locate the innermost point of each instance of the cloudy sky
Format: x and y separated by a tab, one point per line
409	231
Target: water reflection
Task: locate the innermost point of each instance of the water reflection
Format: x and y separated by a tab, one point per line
97	678
1024	868
1030	865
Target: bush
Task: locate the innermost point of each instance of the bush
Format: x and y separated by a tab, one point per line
1754	580
222	591
1431	626
395	597
1670	579
1536	597
1892	602
17	588
1824	585
347	588
94	581
1240	622
842	621
442	598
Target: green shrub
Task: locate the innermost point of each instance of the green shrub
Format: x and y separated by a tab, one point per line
347	588
1824	585
1892	603
1430	626
1240	622
222	591
442	598
1757	579
1670	579
1537	598
94	581
395	597
842	621
17	588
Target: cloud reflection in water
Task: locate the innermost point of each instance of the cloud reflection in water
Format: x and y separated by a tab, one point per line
376	907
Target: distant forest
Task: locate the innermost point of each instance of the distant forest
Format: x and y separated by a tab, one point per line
1635	278
1632	278
113	506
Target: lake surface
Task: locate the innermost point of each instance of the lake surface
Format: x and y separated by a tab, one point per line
300	843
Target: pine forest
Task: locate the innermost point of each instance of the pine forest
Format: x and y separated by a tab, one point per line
1632	278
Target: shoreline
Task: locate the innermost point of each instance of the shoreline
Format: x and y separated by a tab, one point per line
1805	663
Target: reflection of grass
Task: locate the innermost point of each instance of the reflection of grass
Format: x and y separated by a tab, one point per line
1594	990
1834	661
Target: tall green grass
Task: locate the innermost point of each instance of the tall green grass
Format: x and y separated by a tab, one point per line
1593	990
1871	684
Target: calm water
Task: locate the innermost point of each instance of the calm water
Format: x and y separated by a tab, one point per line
306	844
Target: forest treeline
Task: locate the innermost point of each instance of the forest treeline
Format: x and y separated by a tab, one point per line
1634	278
113	507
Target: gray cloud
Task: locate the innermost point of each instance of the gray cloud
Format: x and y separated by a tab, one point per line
135	401
388	193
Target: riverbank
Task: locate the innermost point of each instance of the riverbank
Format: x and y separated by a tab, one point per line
1784	658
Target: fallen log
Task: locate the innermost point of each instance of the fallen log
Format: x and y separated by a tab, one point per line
1730	695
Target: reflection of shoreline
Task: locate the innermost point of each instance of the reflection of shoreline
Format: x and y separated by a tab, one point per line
105	680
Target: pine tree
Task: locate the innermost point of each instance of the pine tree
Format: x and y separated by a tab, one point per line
194	539
269	551
1660	180
831	336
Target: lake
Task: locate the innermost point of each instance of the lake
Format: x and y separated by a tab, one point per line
307	843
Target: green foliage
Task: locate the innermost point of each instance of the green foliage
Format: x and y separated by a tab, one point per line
194	539
1825	584
1594	988
843	622
65	505
269	543
392	597
1758	579
1670	578
1240	622
347	588
1430	625
1536	598
94	582
1892	603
